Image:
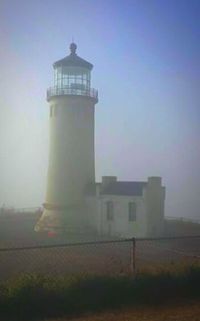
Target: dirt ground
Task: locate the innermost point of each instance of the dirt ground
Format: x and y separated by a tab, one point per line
182	311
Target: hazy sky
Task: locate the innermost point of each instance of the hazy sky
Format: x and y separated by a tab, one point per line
146	67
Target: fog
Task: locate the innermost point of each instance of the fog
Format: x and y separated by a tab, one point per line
146	68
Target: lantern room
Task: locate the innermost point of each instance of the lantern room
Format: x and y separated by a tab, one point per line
72	76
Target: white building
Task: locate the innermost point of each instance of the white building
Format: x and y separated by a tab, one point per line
74	202
127	209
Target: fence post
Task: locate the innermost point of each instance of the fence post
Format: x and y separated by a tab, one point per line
133	257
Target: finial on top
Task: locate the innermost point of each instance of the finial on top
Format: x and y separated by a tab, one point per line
73	48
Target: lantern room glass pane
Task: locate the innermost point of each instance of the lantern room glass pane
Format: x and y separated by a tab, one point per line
58	77
72	77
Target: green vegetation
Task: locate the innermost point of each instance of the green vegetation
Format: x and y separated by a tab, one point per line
36	297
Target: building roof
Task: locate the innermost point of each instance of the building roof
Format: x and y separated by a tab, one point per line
124	188
119	188
73	60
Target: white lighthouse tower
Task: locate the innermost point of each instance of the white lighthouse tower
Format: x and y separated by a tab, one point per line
71	154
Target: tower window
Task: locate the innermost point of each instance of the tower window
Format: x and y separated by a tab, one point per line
132	211
55	110
109	211
51	111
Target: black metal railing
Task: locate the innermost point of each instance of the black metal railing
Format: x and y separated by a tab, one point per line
57	91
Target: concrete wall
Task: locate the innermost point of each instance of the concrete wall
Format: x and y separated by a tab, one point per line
71	156
71	160
149	212
120	226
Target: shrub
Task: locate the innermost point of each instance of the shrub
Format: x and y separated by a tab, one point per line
35	296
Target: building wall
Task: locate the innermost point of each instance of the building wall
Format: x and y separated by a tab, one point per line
149	212
71	155
71	162
120	226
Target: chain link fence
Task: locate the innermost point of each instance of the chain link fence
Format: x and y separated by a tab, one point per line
93	258
117	257
167	253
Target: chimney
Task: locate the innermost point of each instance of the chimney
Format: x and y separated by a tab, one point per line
106	180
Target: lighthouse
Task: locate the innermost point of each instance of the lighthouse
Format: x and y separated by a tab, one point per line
76	205
71	146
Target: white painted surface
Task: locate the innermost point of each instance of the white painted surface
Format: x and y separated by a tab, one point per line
71	161
71	156
120	226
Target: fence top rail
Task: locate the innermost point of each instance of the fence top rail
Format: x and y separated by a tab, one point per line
182	219
166	238
61	245
46	246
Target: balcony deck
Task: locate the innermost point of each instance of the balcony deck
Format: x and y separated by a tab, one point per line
65	91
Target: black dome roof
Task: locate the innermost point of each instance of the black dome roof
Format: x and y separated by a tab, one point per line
73	60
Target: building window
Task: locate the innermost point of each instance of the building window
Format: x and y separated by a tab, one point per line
132	212
109	211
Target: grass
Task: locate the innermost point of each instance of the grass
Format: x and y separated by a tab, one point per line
36	297
183	310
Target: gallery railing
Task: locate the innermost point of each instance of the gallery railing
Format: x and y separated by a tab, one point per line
57	91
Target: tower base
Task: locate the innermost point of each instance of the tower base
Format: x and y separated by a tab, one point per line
70	221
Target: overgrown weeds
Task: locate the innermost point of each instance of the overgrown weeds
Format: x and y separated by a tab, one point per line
36	297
